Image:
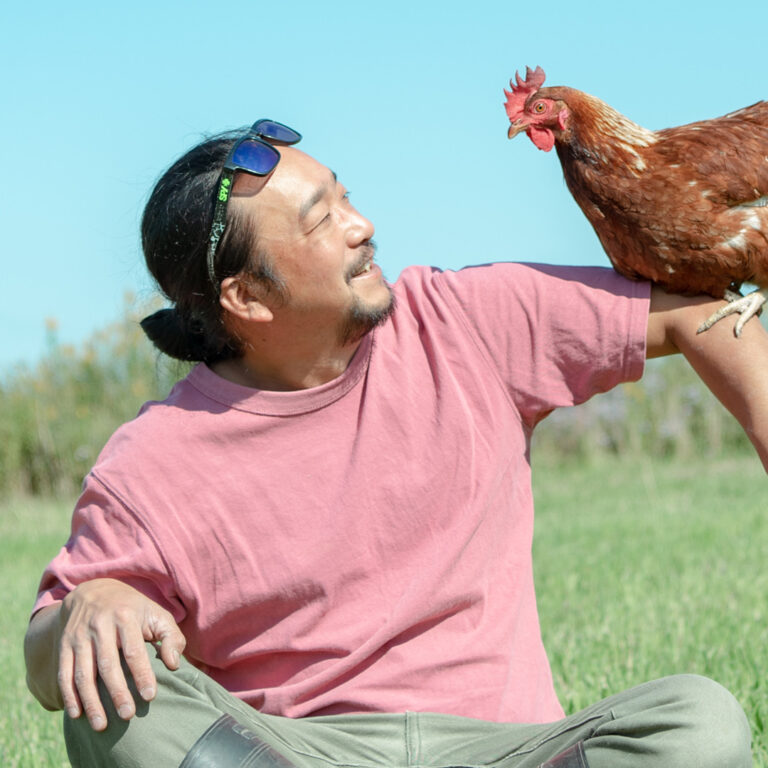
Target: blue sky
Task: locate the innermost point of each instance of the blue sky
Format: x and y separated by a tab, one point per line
403	100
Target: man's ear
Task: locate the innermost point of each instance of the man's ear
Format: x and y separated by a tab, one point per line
242	297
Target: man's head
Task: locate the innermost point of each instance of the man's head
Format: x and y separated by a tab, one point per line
288	235
319	246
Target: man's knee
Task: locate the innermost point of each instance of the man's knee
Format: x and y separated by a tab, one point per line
160	733
683	720
86	747
711	725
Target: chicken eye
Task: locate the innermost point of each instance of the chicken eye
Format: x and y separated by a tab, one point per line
539	107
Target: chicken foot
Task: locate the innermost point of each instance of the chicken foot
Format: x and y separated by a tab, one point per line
747	306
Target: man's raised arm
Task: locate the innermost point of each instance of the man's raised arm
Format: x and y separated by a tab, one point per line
735	369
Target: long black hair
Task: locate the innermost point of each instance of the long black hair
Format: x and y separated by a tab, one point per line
174	234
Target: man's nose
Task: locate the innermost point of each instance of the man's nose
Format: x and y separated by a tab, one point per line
360	229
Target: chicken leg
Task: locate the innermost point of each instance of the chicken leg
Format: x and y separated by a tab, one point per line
747	306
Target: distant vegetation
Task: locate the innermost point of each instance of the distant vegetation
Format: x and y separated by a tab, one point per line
57	415
668	413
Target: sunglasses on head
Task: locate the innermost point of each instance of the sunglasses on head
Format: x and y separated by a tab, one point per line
252	154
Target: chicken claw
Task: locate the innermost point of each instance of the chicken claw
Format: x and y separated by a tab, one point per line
747	306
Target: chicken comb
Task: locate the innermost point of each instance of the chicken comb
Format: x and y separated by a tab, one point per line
519	94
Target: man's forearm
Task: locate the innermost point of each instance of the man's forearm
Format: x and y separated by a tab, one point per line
734	369
41	654
738	376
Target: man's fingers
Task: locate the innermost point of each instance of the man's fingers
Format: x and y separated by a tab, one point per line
100	620
172	643
111	673
84	676
136	656
161	627
66	679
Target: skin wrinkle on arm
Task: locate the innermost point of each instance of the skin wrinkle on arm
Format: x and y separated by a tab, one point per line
733	368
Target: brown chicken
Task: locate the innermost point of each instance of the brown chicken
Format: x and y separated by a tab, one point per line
685	207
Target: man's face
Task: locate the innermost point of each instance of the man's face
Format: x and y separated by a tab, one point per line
319	245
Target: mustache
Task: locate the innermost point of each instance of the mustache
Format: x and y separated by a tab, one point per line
367	253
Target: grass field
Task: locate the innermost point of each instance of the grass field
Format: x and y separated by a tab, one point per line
648	568
644	568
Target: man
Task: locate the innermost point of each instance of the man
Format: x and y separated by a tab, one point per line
332	517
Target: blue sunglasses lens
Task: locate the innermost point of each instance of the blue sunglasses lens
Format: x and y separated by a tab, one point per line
269	129
256	156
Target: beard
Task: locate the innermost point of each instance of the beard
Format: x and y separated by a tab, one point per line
361	317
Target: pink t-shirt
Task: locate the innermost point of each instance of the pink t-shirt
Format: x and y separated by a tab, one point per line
365	545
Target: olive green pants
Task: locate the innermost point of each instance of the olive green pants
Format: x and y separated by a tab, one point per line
677	722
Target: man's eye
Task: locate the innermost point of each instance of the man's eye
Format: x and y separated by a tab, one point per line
322	221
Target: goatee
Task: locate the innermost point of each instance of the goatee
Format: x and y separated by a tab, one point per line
362	319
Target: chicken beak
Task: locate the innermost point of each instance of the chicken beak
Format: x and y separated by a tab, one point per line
516	126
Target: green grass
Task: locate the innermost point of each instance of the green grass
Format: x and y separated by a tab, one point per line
31	532
649	568
643	568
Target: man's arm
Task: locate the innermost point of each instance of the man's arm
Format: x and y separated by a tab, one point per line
70	644
735	369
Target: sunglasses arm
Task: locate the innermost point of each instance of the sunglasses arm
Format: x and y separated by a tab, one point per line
219	221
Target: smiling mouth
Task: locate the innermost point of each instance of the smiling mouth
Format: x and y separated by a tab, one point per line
366	268
365	264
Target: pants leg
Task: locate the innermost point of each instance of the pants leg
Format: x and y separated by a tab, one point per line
160	734
678	722
188	703
683	721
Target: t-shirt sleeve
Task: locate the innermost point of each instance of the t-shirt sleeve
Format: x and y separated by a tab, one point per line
108	541
556	335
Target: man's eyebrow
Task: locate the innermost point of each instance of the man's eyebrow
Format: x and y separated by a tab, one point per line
315	198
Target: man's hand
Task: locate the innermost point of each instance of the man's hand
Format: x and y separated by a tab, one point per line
733	368
69	645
